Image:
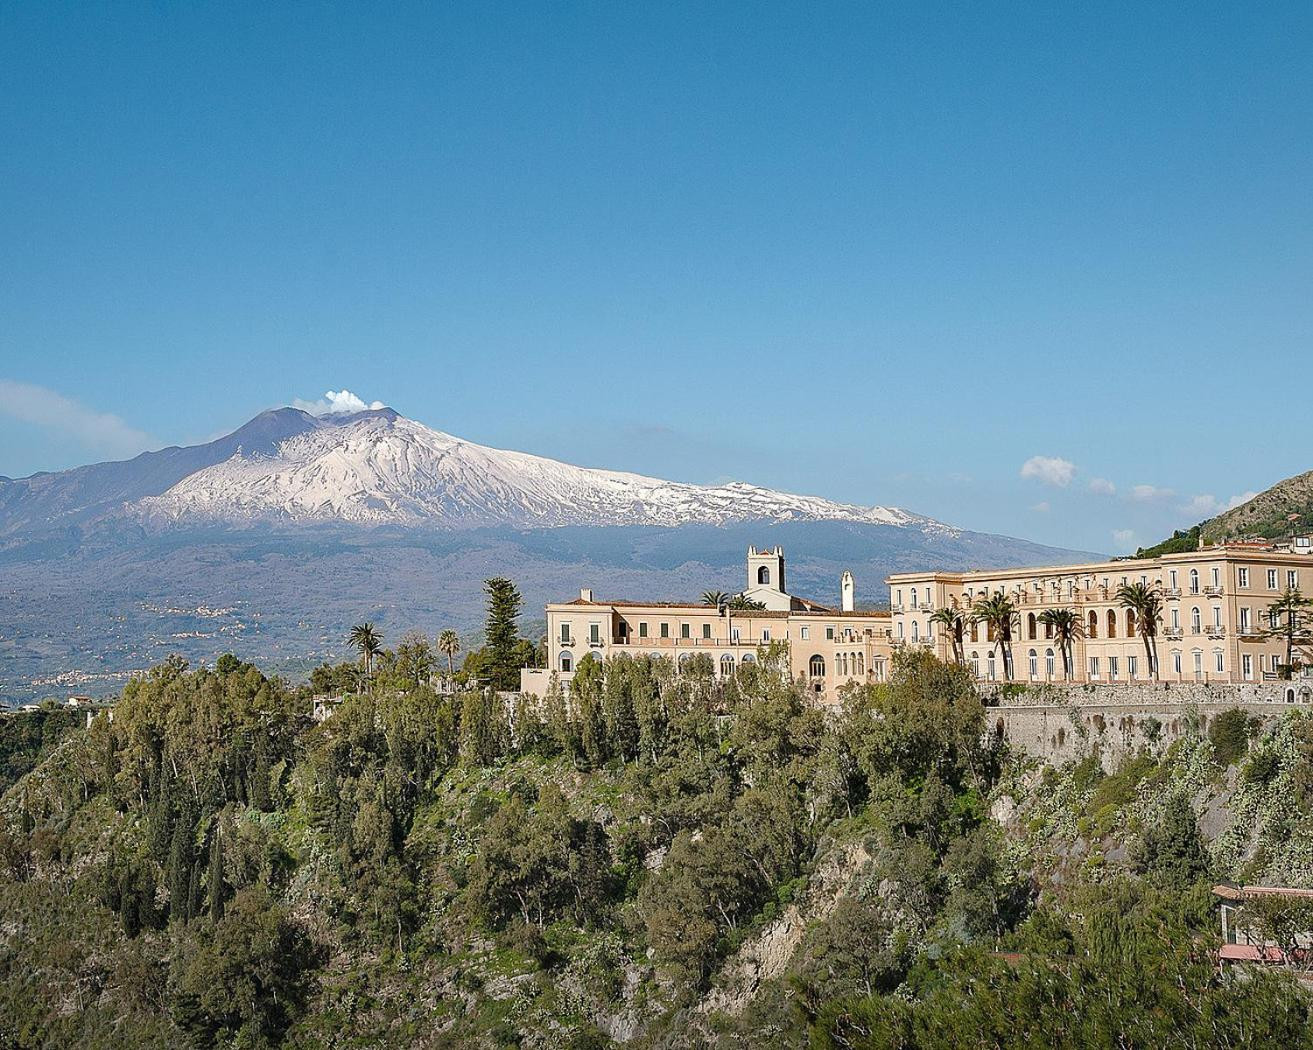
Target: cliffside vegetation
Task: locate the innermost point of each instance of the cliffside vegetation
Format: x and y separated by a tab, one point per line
655	859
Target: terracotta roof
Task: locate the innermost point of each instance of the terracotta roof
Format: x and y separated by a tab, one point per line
807	608
1230	891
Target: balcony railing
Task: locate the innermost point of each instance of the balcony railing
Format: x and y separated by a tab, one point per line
1216	631
1214	592
1174	634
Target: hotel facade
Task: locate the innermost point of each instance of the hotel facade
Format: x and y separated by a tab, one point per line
827	647
1215	625
1215	622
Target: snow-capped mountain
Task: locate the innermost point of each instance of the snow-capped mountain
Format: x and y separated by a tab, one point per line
378	468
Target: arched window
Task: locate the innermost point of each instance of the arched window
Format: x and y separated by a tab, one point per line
1030	627
859	663
763	575
841	664
567	664
1194	581
815	667
1093	630
1130	623
916	632
1112	623
1048	631
726	665
747	658
1048	663
1034	664
1196	621
975	665
990	663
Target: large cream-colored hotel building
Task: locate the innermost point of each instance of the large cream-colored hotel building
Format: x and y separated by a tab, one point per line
1214	629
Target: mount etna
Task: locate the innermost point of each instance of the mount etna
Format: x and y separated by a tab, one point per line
272	540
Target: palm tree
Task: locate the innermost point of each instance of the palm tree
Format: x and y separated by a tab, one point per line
449	646
998	614
1147	604
1297	630
743	602
715	599
952	620
1066	626
366	639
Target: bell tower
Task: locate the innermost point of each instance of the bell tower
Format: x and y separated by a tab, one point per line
766	570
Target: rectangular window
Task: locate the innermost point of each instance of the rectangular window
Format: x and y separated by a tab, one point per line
1244	619
1176	662
1217	576
706	631
1247	665
595	633
565	632
1172	576
685	631
1218	659
1243	575
665	630
765	635
1112	667
1217	616
829	633
1292	579
927	597
1176	619
1132	666
735	635
1094	667
1271	579
806	632
642	628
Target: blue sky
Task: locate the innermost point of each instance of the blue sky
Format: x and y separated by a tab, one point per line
883	253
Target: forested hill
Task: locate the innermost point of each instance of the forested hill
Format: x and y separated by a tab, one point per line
656	860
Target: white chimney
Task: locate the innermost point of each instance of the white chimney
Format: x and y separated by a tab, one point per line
847	597
585	594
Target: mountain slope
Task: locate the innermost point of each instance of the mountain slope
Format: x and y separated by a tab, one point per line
382	469
1268	513
70	497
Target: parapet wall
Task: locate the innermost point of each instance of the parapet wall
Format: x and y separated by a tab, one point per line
1060	723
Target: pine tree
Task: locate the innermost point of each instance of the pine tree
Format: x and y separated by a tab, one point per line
503	632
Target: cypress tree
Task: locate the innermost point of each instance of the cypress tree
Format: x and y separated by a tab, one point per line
180	864
128	905
215	877
259	793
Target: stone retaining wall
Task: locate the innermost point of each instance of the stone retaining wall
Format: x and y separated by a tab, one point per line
1065	731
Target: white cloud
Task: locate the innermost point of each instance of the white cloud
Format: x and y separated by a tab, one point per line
336	401
1124	538
1042	507
101	431
1149	493
1051	470
1103	487
1205	506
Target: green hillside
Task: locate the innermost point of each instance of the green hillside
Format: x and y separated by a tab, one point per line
666	860
1267	515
